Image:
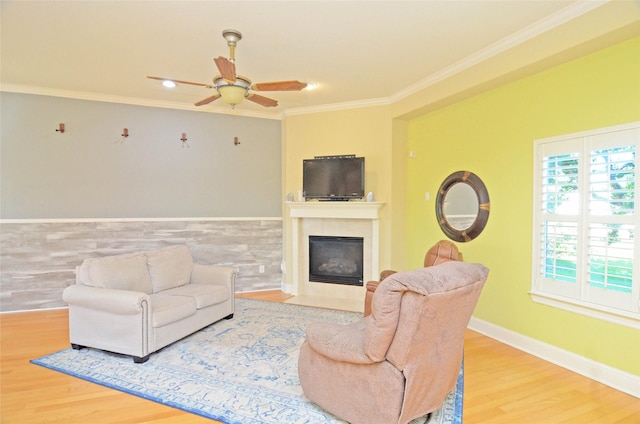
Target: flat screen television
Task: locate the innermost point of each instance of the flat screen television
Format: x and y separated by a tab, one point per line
333	178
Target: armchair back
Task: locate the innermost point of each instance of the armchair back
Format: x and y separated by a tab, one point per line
433	312
410	345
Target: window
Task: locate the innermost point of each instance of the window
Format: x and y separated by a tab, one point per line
586	249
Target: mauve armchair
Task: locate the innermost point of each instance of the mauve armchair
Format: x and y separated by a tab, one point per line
442	251
400	362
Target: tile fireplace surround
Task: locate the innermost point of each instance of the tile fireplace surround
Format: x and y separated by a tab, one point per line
346	219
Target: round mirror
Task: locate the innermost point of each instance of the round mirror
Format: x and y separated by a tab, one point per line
462	206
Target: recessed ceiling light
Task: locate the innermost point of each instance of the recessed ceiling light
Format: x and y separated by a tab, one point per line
168	83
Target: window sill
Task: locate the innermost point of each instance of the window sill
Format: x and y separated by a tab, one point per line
628	319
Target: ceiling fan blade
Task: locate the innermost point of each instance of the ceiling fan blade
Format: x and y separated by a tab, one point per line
261	100
227	69
207	100
181	82
292	85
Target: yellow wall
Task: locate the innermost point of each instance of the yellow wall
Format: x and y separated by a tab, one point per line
364	132
492	135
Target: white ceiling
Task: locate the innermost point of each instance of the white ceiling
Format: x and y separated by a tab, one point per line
358	52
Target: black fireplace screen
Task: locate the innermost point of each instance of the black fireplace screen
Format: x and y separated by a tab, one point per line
336	260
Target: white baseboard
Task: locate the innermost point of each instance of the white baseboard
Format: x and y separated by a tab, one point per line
605	374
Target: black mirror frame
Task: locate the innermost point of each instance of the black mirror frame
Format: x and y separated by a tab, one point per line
480	222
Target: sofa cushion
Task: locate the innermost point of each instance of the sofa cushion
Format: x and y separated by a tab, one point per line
82	273
169	267
167	309
119	272
204	294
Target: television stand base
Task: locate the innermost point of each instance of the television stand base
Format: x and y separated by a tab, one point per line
337	199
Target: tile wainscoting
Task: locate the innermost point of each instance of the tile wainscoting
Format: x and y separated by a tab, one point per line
38	257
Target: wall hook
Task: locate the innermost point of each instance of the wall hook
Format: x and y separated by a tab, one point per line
184	140
60	128
125	132
235	141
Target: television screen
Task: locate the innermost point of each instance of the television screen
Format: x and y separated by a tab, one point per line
333	178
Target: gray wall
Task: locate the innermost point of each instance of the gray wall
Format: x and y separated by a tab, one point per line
87	192
89	172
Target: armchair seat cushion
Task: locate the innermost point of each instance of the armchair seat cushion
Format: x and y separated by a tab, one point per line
340	342
167	309
203	294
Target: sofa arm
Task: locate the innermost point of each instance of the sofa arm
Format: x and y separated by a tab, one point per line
108	300
213	274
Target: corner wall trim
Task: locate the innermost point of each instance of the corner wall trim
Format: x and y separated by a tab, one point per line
605	374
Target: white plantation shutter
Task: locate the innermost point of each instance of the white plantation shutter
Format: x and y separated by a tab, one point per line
586	249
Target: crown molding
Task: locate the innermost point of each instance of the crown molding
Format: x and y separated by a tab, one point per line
382	101
136	101
540	27
573	11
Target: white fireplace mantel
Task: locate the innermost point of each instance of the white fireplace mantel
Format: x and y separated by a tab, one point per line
360	219
350	210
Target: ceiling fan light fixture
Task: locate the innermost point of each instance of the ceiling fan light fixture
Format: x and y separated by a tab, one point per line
169	84
232	94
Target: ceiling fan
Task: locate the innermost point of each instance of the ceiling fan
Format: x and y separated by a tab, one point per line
233	88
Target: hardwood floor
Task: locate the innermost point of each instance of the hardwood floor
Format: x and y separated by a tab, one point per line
502	384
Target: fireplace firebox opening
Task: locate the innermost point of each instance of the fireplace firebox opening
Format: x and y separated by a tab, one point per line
336	260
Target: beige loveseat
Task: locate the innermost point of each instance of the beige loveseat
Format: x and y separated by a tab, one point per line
137	303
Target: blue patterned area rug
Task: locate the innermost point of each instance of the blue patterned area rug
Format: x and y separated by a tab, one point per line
243	370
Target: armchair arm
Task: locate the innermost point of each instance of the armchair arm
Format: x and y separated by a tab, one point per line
339	342
387	272
108	300
372	285
213	274
368	296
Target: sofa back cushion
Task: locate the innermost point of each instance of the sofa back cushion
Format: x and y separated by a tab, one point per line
119	272
169	267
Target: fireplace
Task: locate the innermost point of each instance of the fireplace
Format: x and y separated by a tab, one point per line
345	219
336	260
